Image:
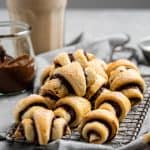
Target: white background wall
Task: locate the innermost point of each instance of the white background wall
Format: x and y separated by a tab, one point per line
103	3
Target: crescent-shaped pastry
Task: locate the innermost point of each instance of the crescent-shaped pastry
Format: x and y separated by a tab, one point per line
29	130
25	130
99	126
26	103
73	109
99	66
54	89
134	95
62	59
79	55
29	113
59	129
95	89
74	76
127	78
47	73
117	100
121	62
82	57
115	73
43	124
91	76
41	127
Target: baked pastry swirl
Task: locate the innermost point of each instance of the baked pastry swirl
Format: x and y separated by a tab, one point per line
47	73
115	102
26	106
99	126
72	109
72	85
85	59
126	78
63	59
69	79
41	128
79	55
118	63
72	79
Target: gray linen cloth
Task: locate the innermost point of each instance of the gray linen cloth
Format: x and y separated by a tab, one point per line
102	49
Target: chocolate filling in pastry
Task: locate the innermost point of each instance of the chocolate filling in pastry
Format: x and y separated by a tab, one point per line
70	111
71	57
64	82
36	138
50	135
32	105
51	95
45	78
85	76
64	129
86	56
135	100
98	92
57	64
117	108
20	130
103	122
130	85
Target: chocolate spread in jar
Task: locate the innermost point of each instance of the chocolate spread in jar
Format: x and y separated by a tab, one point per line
16	74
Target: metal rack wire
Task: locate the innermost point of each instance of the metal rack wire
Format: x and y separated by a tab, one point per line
130	127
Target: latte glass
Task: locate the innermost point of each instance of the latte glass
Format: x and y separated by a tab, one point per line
46	17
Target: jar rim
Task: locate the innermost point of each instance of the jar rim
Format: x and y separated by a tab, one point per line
25	29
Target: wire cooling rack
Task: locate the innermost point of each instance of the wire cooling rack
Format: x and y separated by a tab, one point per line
130	127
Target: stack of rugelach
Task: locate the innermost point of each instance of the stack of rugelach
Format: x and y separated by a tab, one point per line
79	91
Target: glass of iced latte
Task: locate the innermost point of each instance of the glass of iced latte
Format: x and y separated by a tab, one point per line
46	17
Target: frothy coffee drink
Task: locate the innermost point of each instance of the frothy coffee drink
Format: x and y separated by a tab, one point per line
46	17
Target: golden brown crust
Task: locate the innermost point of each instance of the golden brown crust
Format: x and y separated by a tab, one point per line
79	55
62	59
99	83
99	66
101	132
74	74
62	113
29	113
47	72
55	88
108	107
115	73
91	76
29	131
25	130
43	123
127	77
108	123
79	105
59	128
24	104
121	62
134	95
117	100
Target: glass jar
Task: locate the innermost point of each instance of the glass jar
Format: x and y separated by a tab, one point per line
17	65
